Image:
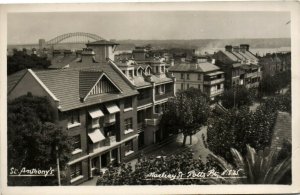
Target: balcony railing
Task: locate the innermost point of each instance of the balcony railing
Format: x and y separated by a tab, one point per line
154	121
144	101
163	96
251	74
212	82
218	92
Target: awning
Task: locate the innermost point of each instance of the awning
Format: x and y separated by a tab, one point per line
112	108
96	136
96	113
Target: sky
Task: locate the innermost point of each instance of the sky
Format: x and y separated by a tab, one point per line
26	28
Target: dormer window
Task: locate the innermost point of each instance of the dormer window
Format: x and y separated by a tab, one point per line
130	73
162	69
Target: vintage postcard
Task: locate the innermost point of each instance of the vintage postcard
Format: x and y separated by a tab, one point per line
150	98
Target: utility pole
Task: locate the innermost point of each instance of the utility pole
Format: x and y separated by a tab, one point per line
57	163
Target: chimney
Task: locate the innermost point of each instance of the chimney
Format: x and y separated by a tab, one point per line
78	53
172	62
228	48
236	49
244	47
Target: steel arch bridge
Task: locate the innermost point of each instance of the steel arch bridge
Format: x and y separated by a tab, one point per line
80	37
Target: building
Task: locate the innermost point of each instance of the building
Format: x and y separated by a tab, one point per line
155	87
241	67
111	111
199	74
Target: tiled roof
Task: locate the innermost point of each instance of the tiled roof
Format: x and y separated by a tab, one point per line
87	80
239	55
64	84
125	47
207	67
199	67
140	82
14	78
282	130
230	56
102	42
62	61
160	79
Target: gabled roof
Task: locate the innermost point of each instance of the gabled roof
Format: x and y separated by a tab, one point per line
231	56
87	80
14	78
64	84
102	42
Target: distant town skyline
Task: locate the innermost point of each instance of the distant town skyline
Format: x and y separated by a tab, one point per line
27	28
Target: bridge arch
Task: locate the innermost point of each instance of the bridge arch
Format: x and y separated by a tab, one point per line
80	37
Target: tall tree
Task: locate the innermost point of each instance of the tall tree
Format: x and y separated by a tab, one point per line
236	97
186	113
33	138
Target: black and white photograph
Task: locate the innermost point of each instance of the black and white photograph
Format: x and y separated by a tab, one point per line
149	97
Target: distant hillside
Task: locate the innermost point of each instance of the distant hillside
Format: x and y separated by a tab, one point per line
212	43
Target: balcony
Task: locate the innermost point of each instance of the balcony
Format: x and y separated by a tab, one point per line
144	101
164	95
217	92
215	81
154	121
251	74
141	126
110	119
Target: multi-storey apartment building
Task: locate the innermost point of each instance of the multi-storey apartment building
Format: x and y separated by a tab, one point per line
155	87
240	66
199	74
109	111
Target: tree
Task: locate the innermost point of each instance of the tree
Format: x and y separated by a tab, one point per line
21	60
260	168
270	85
33	138
186	113
239	127
236	97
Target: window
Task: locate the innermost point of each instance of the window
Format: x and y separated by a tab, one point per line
128	147
76	170
219	86
95	123
73	118
128	123
128	103
182	86
187	86
130	73
199	76
162	69
199	86
182	76
157	69
76	142
188	76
